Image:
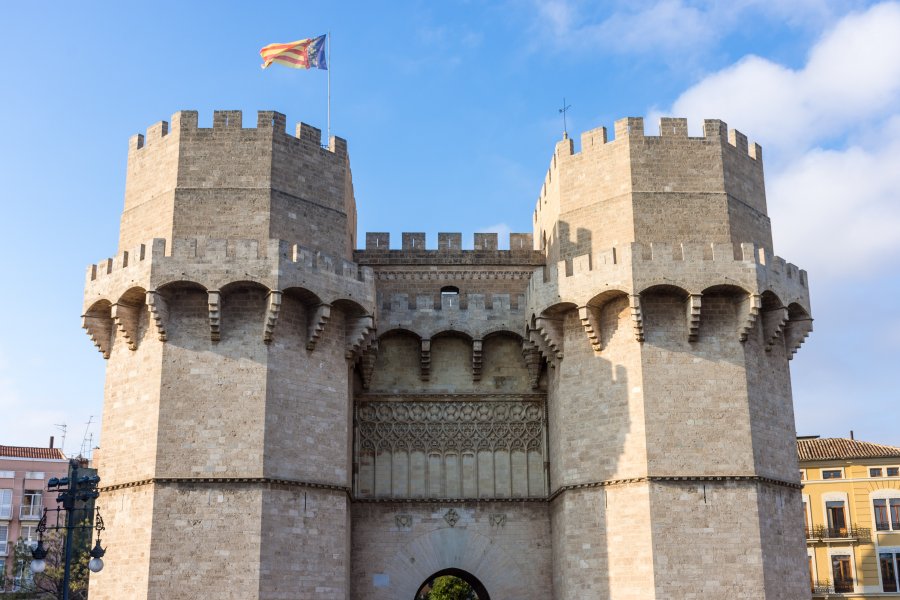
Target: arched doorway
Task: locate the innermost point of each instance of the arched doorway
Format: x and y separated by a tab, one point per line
476	586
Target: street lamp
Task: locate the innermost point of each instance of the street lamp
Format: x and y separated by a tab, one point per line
76	495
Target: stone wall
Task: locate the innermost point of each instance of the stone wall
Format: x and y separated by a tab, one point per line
601	411
398	546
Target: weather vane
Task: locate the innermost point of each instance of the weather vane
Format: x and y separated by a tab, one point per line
563	112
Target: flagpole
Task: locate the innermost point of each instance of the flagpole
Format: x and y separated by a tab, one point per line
328	50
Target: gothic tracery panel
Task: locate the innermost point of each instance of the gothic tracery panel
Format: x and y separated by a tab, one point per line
450	446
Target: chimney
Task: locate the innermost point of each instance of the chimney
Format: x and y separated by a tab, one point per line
851	434
51	442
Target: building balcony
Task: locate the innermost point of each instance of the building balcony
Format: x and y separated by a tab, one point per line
820	533
828	587
31	513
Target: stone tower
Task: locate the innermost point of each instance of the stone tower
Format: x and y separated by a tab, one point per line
601	411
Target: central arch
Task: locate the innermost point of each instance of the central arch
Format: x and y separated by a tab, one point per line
473	582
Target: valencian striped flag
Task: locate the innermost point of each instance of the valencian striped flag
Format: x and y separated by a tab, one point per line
302	54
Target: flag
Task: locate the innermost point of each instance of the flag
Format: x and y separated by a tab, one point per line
302	54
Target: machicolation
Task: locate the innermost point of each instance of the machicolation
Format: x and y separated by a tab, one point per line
560	418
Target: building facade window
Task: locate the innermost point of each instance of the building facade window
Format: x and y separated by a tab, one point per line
843	576
31	505
7	474
34	474
893	471
889	566
837	518
4	538
5	504
832	474
886	510
875	471
29	535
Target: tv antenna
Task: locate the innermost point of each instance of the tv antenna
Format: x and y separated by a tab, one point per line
565	108
64	428
87	438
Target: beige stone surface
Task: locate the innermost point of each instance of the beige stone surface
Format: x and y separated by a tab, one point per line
601	411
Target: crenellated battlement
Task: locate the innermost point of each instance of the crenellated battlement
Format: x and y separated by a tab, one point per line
218	251
268	123
671	130
691	267
380	241
414	250
230	181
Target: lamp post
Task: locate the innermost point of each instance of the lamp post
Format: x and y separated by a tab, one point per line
76	495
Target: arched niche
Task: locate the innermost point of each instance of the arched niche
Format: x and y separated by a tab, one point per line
398	362
187	304
503	366
451	361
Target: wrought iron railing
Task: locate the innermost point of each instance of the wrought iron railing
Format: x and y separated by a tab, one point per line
841	586
822	587
820	532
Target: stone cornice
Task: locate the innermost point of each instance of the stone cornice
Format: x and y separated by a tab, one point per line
227	480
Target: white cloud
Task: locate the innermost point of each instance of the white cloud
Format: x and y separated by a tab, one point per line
837	212
669	26
832	184
852	75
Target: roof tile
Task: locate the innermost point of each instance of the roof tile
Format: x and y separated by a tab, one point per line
842	448
30	452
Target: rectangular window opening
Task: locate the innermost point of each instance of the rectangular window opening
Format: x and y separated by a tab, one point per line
843	577
832	474
5	504
881	514
888	572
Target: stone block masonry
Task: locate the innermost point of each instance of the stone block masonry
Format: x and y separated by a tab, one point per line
602	410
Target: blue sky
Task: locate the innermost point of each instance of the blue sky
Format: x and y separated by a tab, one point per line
451	112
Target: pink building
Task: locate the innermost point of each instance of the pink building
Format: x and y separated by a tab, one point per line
24	473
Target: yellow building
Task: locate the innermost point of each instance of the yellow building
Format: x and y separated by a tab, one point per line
851	497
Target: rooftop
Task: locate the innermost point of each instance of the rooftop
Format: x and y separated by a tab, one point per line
842	448
29	452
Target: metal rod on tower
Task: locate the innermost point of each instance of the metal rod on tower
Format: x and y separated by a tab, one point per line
328	61
563	111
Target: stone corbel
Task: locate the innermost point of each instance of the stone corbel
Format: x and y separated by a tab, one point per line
540	345
100	330
159	312
361	335
425	361
773	325
550	330
214	302
127	319
532	362
693	315
367	364
477	346
317	321
750	313
588	318
637	317
795	333
273	307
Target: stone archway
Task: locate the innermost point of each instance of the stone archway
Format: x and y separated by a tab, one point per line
473	582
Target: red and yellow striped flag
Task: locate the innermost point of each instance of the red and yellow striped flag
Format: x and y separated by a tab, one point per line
302	54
